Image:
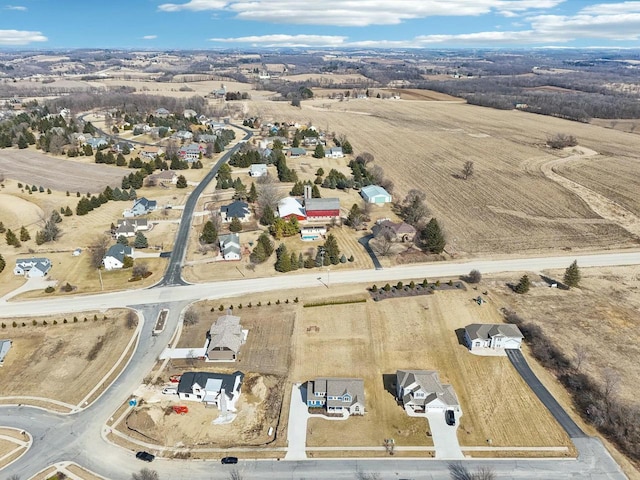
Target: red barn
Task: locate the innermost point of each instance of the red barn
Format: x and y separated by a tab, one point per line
289	207
319	209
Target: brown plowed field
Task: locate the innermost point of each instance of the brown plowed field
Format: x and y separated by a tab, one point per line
35	168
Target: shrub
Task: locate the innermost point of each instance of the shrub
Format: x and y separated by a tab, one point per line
399	285
351	259
387	287
450	283
34	322
437	283
295	300
49	289
65	321
55	322
4	325
523	285
44	323
259	304
425	283
15	324
374	288
75	319
412	285
24	324
221	307
240	306
278	302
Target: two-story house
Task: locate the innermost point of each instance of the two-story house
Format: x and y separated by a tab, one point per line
499	336
219	389
337	395
421	391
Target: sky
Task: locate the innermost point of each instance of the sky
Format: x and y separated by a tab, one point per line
215	24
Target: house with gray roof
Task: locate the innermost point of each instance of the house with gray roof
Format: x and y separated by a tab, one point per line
334	152
295	152
237	209
230	246
5	346
128	227
207	138
141	206
114	258
498	337
97	142
226	336
337	395
214	389
258	170
32	267
421	391
396	232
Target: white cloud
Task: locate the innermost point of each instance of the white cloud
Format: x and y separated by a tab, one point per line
149	37
20	37
19	8
194	6
352	13
611	8
287	40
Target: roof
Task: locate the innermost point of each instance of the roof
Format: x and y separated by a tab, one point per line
399	228
236	209
335	150
191	148
119	251
146	204
5	345
226	332
227	381
229	243
258	167
373	191
41	263
337	387
297	151
163	175
312	204
290	206
485	331
429	382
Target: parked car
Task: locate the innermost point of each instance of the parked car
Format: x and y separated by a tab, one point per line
229	460
145	456
170	390
450	417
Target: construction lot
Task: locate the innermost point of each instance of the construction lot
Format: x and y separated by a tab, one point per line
61	361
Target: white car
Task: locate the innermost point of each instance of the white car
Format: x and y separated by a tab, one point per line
170	391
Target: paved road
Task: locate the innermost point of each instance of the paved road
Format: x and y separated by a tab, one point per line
173	274
523	368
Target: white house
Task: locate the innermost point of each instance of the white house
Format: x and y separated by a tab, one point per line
237	209
258	170
420	391
221	390
375	194
32	267
114	258
308	234
334	152
230	246
128	227
499	336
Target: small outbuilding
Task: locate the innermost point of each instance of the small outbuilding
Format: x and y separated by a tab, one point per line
5	346
375	194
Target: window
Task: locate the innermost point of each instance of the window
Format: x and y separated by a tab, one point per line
346	398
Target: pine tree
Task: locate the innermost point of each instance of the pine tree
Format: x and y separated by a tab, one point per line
258	255
68	212
283	264
331	250
346	147
523	285
572	275
122	240
267	244
2	228
253	194
22	142
319	151
293	261
24	234
182	182
209	233
2	263
235	226
140	241
11	239
432	237
315	192
268	217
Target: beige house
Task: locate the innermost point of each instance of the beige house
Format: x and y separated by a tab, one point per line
226	336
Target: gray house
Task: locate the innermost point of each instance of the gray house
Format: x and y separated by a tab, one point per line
141	206
225	338
337	395
498	336
32	267
420	391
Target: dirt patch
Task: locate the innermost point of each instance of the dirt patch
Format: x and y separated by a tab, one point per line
52	360
258	410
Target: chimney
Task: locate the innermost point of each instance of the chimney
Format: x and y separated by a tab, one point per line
307	191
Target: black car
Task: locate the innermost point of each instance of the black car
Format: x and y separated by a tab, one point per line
450	417
229	460
145	456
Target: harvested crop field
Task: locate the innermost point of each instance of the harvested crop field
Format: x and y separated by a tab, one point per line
35	168
507	204
62	361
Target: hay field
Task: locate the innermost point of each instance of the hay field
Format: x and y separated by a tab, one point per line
506	206
373	340
65	361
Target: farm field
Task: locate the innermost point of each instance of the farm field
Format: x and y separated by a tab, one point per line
62	361
508	205
36	168
373	340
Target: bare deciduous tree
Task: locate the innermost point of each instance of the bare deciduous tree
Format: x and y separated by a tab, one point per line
190	318
56	144
98	250
145	474
171	150
474	276
581	356
382	244
413	208
132	320
562	140
364	158
467	169
140	270
377	174
267	193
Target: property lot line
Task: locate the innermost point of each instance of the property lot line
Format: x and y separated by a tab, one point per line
40	399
